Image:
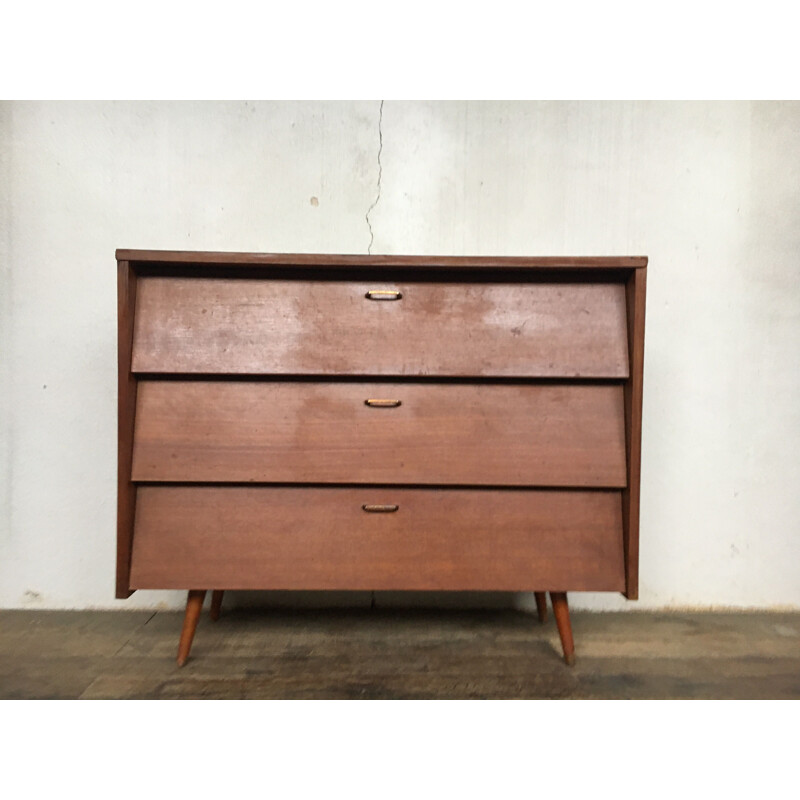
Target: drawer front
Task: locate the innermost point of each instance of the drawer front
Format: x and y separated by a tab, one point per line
322	538
354	432
264	326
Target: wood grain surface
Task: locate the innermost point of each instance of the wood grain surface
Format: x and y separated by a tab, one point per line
360	260
633	387
126	409
266	362
239	326
298	431
285	649
321	538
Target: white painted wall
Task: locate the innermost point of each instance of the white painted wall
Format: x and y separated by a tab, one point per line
710	191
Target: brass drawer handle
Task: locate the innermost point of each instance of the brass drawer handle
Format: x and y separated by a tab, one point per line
378	509
378	402
383	294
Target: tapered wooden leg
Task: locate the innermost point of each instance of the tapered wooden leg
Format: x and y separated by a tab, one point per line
561	613
541	605
194	605
216	603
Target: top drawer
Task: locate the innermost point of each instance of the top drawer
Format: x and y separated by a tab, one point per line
319	327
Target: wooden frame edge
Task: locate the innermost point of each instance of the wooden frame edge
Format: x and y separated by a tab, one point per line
234	259
126	410
635	290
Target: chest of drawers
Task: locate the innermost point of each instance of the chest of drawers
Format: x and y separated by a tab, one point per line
378	423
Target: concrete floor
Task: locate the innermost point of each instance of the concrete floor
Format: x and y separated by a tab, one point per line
379	653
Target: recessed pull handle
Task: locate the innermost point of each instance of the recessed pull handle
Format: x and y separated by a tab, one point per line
383	294
379	509
380	402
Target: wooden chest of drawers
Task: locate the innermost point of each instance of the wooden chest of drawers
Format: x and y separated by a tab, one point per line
378	422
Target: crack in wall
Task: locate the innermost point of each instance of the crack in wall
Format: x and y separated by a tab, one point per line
380	176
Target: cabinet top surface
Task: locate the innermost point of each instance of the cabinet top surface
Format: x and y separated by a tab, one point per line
342	260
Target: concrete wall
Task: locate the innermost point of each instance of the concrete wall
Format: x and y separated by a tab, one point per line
710	191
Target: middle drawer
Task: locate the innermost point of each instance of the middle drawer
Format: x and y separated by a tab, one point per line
375	432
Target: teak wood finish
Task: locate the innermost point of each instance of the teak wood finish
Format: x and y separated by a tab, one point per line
378	422
334	327
216	604
194	605
244	537
299	432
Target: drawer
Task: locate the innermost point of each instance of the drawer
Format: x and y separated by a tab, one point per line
411	432
238	537
319	327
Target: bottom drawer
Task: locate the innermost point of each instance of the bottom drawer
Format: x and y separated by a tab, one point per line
235	537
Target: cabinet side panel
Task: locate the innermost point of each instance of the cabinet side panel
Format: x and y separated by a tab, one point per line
126	409
635	296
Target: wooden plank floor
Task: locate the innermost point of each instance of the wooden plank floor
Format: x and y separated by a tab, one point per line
395	653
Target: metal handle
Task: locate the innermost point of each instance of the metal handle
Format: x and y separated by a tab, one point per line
383	294
378	402
378	509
